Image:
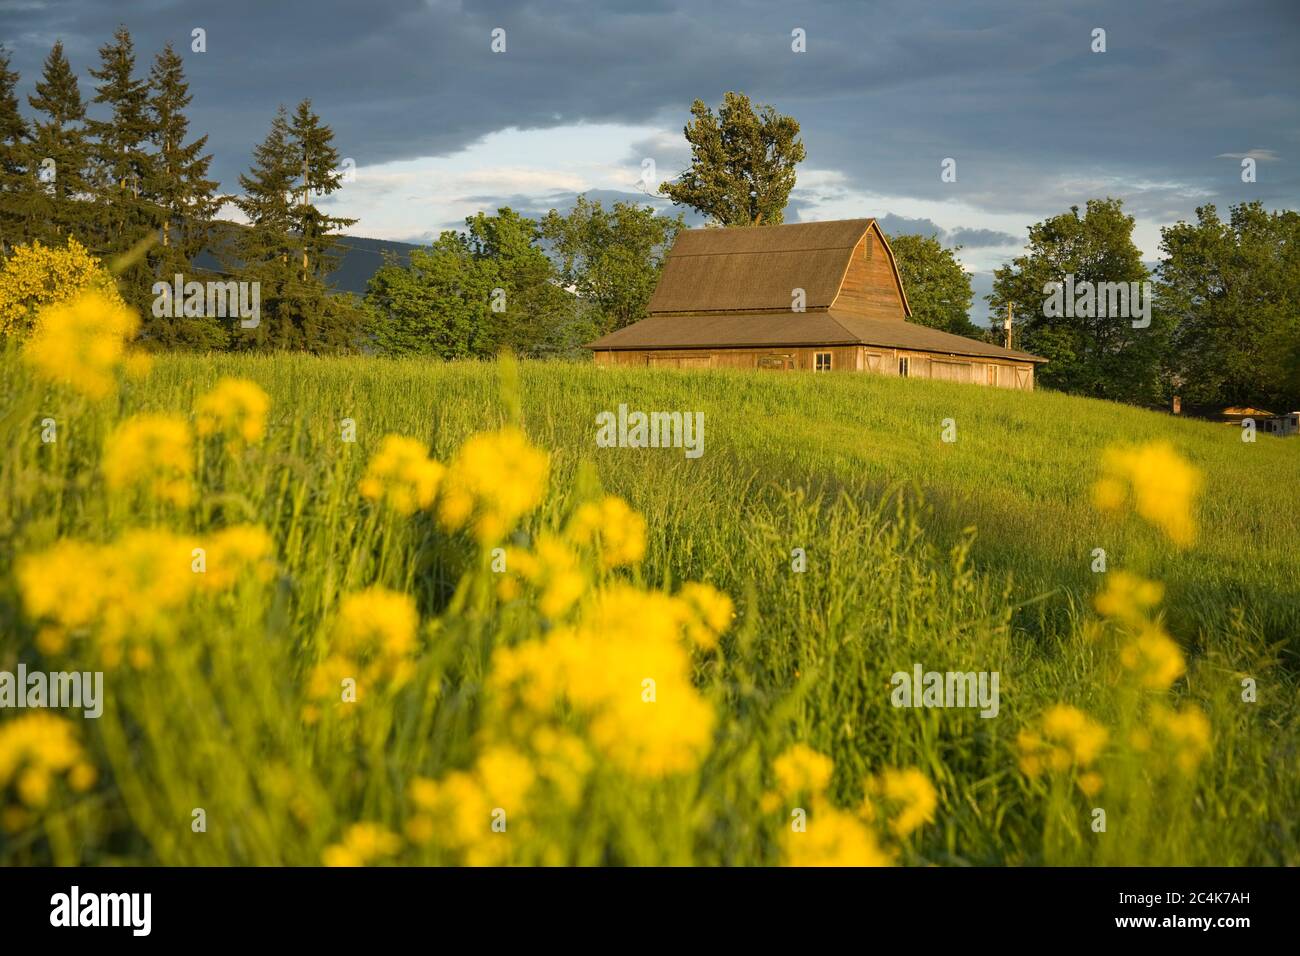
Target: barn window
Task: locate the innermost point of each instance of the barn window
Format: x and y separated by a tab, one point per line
904	365
821	361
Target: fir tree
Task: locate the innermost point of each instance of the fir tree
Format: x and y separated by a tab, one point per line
14	186
318	175
59	154
183	196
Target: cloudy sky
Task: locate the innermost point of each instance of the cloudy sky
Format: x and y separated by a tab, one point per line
440	126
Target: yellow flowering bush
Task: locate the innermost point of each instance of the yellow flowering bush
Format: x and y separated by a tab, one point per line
152	453
36	276
236	410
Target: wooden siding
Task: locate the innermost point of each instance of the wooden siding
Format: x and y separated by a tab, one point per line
869	287
844	358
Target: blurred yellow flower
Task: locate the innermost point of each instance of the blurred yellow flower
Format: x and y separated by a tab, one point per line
832	838
625	668
234	551
909	796
235	409
1154	657
709	613
151	453
1188	731
362	844
1128	597
125	594
800	770
35	750
403	475
374	644
617	530
493	480
1161	485
82	343
1067	738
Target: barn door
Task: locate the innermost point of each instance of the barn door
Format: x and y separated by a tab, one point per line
873	361
1022	378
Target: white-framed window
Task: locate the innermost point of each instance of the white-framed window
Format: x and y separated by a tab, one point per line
904	366
821	361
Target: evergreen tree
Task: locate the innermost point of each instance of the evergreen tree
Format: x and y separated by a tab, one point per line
122	162
183	196
58	154
286	245
318	175
13	169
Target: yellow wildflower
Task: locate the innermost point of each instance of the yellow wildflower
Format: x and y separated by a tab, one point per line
618	531
151	453
1128	597
82	343
403	475
709	614
234	551
35	750
832	838
362	844
910	795
1154	657
494	480
235	409
374	643
1161	485
1188	730
802	770
1067	738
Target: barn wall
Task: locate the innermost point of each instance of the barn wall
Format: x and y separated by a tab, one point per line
869	288
846	358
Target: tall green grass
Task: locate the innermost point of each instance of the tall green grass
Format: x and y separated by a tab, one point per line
970	555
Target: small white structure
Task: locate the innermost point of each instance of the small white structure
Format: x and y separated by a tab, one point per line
1288	424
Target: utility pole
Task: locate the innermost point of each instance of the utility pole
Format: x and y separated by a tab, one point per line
1006	326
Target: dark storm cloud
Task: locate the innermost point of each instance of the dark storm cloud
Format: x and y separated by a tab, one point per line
1010	90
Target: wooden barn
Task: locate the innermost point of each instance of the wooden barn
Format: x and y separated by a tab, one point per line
817	296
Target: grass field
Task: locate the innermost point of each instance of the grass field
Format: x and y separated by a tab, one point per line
519	695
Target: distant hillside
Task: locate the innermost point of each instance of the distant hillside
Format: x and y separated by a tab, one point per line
359	257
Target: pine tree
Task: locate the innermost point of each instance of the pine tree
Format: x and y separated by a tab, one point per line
180	184
318	175
13	149
184	200
122	165
287	242
59	154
